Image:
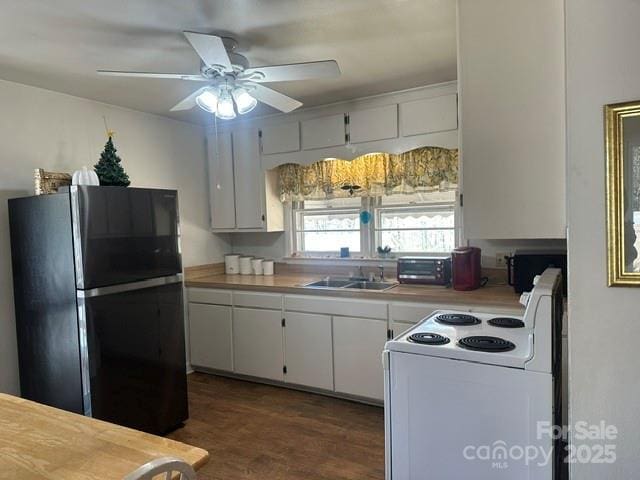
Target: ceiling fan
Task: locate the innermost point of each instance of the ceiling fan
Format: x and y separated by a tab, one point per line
231	81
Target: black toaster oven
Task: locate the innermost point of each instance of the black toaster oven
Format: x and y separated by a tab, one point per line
433	270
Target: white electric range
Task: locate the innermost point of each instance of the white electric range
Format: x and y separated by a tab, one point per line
473	395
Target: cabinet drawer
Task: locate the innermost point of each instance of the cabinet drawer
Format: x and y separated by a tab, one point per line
271	301
378	123
429	115
208	295
280	138
323	132
336	306
414	312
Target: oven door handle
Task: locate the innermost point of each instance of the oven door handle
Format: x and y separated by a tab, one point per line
127	287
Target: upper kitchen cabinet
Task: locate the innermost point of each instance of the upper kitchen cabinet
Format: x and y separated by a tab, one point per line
392	122
244	197
512	102
249	183
221	185
429	115
370	124
280	138
323	132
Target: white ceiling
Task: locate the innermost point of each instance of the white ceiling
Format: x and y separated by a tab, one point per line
380	45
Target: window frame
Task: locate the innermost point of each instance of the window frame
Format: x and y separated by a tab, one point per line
370	234
298	212
404	207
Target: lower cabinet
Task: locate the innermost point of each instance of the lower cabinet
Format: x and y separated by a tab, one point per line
210	336
357	356
257	343
308	350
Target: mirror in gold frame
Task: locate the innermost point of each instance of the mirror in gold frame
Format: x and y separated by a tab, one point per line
622	122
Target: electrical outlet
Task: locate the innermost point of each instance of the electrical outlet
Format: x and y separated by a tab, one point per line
501	262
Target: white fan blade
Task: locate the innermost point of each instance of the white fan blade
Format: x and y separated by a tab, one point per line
275	99
210	48
177	76
189	102
294	71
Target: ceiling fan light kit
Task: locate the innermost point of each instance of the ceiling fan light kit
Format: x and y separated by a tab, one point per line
208	100
225	110
231	79
244	101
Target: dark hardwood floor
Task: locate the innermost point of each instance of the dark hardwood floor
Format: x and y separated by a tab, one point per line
255	431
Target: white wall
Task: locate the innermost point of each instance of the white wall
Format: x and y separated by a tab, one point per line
40	128
265	245
603	67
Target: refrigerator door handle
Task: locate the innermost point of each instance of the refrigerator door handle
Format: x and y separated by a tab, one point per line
127	287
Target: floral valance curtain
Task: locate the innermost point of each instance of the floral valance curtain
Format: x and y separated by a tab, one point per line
421	169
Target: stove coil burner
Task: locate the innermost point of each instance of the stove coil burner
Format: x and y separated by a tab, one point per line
506	322
486	344
427	338
458	319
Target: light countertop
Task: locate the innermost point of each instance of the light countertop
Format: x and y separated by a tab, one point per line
498	296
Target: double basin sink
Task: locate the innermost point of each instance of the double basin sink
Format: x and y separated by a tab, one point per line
350	284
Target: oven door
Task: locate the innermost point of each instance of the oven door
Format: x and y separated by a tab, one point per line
134	371
123	235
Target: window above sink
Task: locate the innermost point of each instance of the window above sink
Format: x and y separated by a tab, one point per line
419	223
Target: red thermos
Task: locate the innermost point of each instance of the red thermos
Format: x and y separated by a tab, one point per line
465	268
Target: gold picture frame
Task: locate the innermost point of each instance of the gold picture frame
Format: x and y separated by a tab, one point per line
622	143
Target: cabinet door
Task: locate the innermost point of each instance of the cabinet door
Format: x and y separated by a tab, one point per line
308	350
429	115
281	138
210	336
323	132
357	356
371	124
221	188
257	343
250	179
513	162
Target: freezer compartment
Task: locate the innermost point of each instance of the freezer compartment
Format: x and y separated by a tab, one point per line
122	235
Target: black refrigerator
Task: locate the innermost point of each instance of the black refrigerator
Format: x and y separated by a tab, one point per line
99	304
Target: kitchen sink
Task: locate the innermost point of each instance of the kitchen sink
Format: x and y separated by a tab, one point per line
371	285
329	283
349	284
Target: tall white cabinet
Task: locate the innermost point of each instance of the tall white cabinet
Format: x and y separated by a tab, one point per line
222	196
512	118
243	195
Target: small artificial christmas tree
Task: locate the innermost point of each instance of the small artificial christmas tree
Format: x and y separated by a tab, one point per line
109	170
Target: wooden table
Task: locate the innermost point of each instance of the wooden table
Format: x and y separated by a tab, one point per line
39	442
